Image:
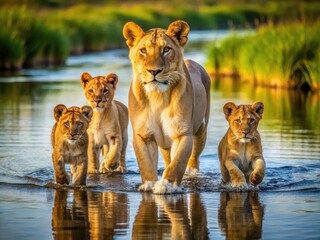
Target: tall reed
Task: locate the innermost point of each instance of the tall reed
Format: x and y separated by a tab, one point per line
282	56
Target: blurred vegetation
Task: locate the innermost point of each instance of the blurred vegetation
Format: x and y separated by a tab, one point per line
36	33
277	56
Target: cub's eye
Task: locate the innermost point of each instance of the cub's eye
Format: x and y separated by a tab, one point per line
237	121
166	49
90	91
143	51
251	120
66	124
106	90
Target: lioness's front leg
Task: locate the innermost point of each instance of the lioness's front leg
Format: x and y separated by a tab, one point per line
111	158
147	157
173	174
93	156
259	171
238	179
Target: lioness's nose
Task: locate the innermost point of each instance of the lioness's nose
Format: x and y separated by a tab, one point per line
154	72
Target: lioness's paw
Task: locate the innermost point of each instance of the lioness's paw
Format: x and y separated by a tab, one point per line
165	187
255	179
239	186
92	171
147	186
192	171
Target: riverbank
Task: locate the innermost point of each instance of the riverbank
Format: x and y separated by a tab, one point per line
43	36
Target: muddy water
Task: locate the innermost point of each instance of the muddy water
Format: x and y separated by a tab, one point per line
287	205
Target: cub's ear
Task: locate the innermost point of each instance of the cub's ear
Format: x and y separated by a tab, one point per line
132	32
179	30
228	108
258	107
58	111
84	79
113	79
87	112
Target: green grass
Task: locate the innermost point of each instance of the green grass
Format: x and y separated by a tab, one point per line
282	56
33	36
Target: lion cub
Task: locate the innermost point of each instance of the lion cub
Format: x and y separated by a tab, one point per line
108	128
69	140
240	150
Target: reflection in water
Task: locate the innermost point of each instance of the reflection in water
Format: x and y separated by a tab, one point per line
90	215
240	215
171	217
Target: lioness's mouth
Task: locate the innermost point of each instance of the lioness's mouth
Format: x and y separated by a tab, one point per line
154	80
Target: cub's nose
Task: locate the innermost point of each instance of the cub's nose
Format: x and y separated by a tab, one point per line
97	101
154	72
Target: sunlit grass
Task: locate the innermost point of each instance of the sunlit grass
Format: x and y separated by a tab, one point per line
282	56
35	36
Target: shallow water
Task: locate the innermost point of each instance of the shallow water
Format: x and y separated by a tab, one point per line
288	197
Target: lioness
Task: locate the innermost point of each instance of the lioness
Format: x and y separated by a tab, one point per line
108	128
69	140
240	150
169	104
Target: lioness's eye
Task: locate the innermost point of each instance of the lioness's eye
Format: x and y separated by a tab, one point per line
80	124
105	90
166	49
251	120
143	51
67	124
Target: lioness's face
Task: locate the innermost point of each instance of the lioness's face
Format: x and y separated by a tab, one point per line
243	120
157	55
99	91
155	60
72	122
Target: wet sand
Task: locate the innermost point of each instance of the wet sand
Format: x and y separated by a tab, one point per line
35	212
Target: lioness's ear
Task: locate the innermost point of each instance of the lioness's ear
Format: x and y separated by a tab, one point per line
132	32
87	112
228	108
113	79
258	107
179	30
58	111
84	79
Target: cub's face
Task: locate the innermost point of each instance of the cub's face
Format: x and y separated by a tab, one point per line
157	54
99	91
72	122
243	120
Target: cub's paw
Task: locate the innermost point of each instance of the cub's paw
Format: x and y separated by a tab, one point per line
63	179
147	186
104	168
121	169
165	187
239	186
255	178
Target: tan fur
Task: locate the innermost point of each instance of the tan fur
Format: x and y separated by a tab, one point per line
169	103
108	128
69	140
240	150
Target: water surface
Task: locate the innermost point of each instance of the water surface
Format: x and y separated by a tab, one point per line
287	205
